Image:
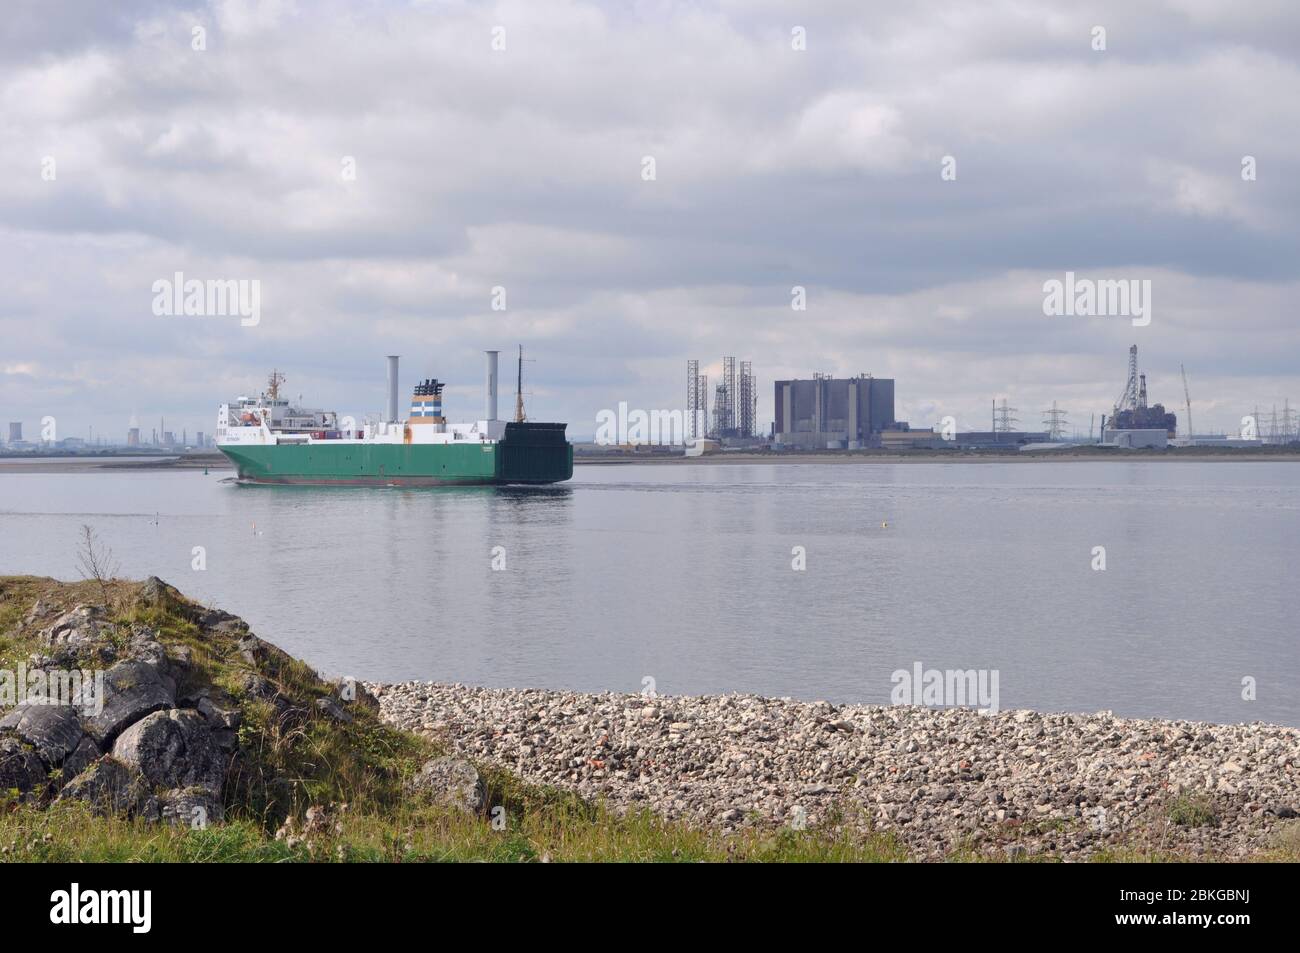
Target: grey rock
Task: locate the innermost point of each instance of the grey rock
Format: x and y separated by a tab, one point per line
263	655
20	766
229	626
332	709
40	611
85	754
252	685
218	708
132	689
193	807
53	730
351	692
157	594
255	686
144	646
78	628
172	749
450	781
108	786
220	712
211	618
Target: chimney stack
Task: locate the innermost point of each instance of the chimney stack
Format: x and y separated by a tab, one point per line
392	388
491	409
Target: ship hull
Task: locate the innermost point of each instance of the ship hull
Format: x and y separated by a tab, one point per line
530	453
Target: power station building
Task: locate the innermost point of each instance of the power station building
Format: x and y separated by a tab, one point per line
833	413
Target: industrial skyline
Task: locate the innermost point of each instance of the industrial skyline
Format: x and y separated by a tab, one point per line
818	207
709	411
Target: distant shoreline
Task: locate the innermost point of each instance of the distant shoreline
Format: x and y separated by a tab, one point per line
85	464
216	461
940	456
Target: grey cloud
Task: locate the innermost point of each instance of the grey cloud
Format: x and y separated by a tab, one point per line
522	169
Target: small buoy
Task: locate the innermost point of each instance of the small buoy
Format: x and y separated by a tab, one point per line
884	524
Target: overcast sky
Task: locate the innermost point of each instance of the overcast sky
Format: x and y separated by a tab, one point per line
523	167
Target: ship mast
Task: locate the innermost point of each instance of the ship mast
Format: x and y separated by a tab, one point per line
519	389
273	384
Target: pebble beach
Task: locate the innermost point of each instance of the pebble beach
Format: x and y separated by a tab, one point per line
945	782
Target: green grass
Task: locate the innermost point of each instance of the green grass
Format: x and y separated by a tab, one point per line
1192	809
551	831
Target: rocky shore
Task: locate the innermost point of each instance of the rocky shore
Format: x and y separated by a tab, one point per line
184	719
945	782
149	706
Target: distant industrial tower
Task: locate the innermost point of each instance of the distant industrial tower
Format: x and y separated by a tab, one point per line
1004	417
1290	421
722	411
724	408
1131	411
1129	399
1055	419
697	401
1281	430
746	401
735	401
1187	395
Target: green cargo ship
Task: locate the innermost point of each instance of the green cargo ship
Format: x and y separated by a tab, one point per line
528	453
271	441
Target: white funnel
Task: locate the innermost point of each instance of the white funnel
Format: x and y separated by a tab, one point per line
392	388
491	408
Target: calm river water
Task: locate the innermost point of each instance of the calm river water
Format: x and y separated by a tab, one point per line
684	574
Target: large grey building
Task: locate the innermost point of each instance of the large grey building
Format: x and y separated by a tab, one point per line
833	412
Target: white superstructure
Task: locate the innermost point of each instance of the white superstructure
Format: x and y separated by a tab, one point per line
269	420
